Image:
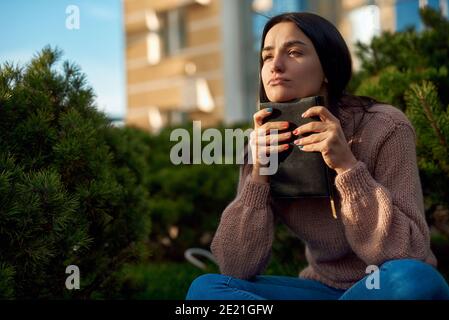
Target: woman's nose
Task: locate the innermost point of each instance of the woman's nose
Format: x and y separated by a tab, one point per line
278	64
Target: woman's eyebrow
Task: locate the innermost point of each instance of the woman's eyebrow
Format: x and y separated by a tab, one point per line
285	45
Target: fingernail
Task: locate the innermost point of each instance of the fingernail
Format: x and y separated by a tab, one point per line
303	115
295	132
269	109
300	147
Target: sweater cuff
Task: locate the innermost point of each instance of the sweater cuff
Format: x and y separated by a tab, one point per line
354	183
255	194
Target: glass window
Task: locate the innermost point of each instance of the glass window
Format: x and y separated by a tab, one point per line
172	31
434	3
365	23
407	14
444	5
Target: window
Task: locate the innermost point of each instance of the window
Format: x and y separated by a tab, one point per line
153	38
445	8
166	34
407	12
365	23
176	118
158	119
431	3
197	95
173	31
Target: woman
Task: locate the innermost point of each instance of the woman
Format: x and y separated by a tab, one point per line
371	147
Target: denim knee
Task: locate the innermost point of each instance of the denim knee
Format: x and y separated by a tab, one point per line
414	279
202	285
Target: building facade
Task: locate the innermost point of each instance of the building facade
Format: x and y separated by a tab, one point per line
182	57
198	59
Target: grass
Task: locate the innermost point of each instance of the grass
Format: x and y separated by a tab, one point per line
171	281
162	281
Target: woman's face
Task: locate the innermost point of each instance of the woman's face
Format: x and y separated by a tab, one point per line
291	67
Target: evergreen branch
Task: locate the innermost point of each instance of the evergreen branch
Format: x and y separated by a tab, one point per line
423	94
107	273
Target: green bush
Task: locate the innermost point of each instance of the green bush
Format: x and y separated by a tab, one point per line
410	71
72	186
187	199
393	61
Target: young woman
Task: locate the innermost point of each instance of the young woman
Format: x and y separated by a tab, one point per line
371	146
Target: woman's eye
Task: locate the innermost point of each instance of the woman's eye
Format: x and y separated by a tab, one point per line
266	57
295	53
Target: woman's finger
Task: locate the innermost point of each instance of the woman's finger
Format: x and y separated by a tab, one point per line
266	151
314	126
314	147
275	125
313	138
260	115
273	138
319	111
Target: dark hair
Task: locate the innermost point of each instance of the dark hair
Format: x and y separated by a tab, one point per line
332	52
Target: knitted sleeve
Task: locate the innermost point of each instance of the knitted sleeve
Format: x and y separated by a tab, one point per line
243	240
384	215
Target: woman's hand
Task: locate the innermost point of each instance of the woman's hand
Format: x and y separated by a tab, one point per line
328	139
263	144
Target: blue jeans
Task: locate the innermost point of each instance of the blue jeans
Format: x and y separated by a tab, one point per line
404	279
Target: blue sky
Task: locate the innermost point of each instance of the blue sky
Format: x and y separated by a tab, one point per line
97	46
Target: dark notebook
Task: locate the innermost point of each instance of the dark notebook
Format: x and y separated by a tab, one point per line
300	174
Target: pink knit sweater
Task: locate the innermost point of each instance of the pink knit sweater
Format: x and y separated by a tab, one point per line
379	206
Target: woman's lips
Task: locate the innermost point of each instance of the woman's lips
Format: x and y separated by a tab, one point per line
278	81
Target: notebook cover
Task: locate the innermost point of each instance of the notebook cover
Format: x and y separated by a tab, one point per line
300	174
